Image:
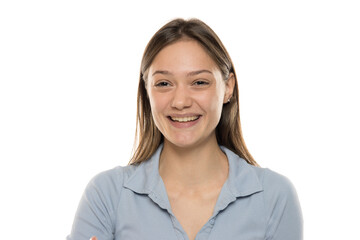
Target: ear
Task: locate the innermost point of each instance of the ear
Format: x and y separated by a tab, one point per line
229	88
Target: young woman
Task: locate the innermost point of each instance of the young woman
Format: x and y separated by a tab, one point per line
191	175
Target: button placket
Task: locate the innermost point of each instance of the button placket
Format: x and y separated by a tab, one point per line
204	232
180	233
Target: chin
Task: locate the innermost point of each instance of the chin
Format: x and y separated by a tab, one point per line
182	142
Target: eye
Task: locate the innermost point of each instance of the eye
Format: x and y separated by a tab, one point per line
162	84
201	82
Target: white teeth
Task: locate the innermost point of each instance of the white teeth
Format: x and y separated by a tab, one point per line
184	119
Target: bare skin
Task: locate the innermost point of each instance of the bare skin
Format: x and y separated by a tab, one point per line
193	181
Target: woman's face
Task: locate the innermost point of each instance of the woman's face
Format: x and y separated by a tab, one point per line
186	93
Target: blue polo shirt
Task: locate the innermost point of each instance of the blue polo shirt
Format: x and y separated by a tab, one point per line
131	203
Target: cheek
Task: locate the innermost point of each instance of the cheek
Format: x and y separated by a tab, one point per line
212	102
157	103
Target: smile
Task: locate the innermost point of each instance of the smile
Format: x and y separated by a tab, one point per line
184	119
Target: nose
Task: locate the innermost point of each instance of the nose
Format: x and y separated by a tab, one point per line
181	98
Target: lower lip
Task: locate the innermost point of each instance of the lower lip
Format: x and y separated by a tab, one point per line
184	124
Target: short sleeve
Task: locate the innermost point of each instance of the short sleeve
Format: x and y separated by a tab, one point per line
95	215
284	216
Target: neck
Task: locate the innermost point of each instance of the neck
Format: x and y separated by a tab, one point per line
193	167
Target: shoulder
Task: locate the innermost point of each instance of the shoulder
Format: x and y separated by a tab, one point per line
274	184
278	191
104	190
107	185
112	179
282	207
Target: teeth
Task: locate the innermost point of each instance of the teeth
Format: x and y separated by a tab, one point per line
185	119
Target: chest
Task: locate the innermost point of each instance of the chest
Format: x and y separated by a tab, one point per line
193	210
147	217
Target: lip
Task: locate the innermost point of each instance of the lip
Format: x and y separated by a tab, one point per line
184	124
184	115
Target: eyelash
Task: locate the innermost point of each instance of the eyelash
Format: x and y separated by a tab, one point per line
202	82
162	84
196	83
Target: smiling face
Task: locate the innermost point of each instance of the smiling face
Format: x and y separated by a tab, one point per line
186	92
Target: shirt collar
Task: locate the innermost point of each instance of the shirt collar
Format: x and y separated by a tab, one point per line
242	180
147	180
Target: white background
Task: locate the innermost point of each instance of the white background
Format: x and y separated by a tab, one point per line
69	73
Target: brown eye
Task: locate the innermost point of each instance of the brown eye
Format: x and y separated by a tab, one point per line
162	84
201	82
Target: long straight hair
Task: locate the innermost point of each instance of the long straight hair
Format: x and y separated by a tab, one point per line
228	131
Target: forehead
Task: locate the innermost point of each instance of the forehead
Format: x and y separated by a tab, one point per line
181	57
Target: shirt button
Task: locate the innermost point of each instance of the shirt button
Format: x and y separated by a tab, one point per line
212	221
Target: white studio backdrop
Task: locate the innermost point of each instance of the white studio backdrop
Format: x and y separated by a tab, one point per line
68	80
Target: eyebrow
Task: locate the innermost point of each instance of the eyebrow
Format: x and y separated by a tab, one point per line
193	73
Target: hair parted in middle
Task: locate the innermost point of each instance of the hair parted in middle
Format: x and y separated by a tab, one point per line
228	131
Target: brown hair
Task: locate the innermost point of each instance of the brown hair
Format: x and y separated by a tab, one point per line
228	131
